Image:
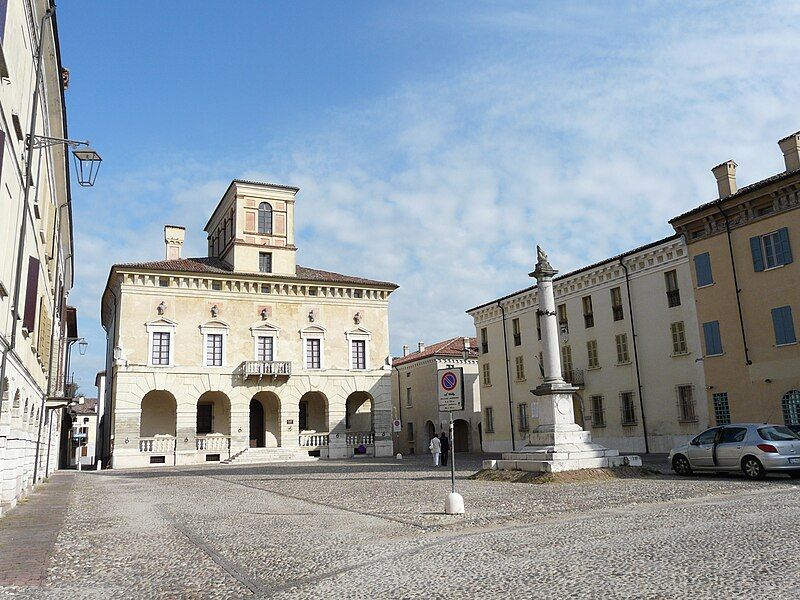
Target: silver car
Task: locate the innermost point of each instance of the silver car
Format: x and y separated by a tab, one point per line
754	448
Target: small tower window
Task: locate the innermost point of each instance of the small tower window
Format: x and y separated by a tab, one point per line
264	218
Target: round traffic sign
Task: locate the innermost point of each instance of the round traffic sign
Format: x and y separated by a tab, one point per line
449	381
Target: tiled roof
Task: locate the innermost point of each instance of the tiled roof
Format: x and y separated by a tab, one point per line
215	265
742	191
276	185
452	347
89	407
586	268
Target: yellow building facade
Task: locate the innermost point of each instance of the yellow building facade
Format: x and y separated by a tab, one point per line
746	279
243	355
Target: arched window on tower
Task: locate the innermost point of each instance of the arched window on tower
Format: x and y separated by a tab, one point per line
264	218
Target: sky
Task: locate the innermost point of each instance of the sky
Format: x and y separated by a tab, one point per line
434	143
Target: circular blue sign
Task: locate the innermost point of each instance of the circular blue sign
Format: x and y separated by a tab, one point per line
449	381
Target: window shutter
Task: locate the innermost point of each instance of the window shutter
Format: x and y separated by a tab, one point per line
702	266
31	294
786	251
783	324
758	257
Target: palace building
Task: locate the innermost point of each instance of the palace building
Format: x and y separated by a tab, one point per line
244	355
628	342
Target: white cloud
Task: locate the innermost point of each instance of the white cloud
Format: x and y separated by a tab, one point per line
584	145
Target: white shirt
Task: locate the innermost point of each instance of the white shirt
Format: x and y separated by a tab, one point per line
436	445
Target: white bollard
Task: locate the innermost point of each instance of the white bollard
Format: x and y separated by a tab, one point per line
399	456
454	505
99	465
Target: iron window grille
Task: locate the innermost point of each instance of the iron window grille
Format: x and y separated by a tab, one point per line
598	412
722	412
627	408
686	404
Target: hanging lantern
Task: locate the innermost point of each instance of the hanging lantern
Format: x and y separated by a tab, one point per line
87	164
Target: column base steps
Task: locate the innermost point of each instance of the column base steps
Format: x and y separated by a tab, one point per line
254	456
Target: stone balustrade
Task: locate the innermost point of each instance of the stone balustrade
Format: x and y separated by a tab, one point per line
357	438
313	440
213	442
159	445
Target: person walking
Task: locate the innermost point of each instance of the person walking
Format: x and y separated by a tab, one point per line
436	449
445	444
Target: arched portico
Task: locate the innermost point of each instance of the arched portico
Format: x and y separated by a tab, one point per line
358	412
313	413
157	422
213	414
265	420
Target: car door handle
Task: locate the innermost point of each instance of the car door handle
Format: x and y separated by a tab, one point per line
738	447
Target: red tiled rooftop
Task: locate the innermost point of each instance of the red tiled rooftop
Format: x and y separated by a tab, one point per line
452	347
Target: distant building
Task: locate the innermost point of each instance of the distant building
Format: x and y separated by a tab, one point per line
36	267
415	396
243	354
83	432
629	343
746	277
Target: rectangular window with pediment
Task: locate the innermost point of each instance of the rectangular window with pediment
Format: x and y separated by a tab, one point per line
265	348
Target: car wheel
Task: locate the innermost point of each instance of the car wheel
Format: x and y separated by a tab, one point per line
752	467
680	464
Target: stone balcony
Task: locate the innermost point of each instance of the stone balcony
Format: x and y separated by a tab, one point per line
266	368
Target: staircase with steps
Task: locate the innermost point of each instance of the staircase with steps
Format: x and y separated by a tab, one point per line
252	456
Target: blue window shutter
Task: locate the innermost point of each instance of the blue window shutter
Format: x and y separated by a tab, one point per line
784	325
758	257
786	251
712	338
702	267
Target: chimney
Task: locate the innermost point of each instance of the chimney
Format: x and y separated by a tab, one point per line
790	146
405	349
467	345
173	237
726	178
421	346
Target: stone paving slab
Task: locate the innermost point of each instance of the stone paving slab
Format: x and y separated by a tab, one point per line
375	529
28	532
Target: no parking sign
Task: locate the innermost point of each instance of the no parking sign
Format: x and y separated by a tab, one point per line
451	389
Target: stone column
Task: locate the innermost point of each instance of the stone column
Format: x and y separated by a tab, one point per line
555	395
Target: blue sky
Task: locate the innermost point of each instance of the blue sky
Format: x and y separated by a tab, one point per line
434	143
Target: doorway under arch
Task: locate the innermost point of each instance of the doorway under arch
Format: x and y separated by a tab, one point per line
461	434
430	429
265	420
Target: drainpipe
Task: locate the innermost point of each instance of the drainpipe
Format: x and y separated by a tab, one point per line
735	283
508	378
635	355
399	404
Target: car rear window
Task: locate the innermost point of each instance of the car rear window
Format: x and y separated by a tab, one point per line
777	434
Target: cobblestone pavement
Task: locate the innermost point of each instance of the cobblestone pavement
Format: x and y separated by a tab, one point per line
374	528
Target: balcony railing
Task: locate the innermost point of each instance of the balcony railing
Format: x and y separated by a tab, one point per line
158	445
213	442
266	368
575	377
313	440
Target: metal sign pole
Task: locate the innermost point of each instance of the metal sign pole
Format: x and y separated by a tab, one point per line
452	458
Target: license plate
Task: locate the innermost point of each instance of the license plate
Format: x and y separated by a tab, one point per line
794	461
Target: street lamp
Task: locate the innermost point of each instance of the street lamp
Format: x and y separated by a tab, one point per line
82	345
87	160
87	164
